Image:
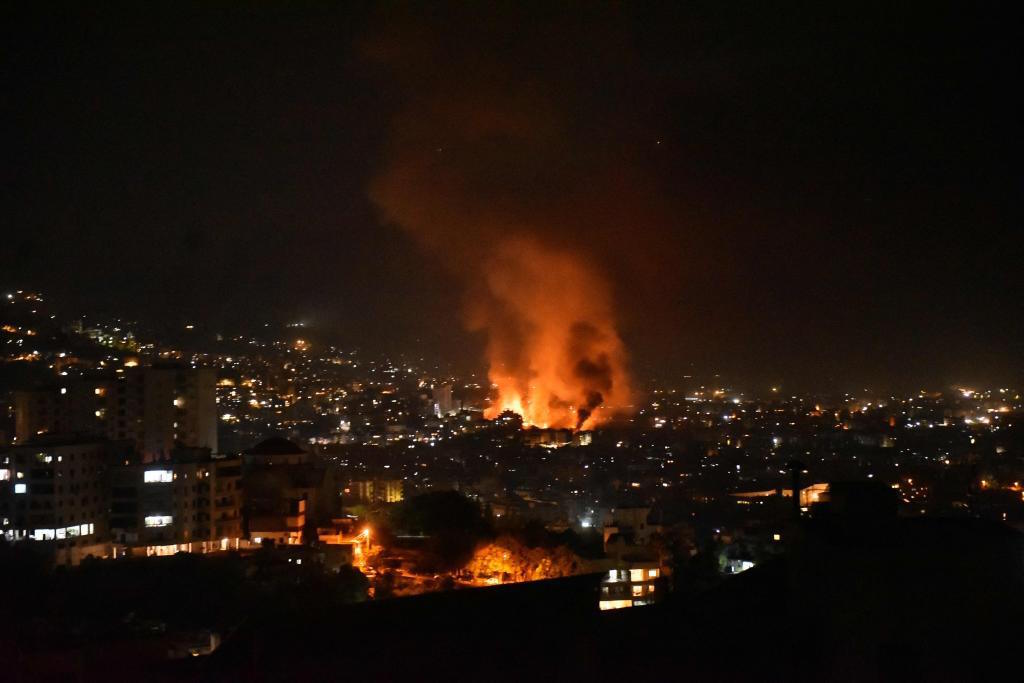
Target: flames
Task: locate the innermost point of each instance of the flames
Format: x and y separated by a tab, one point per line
555	356
485	180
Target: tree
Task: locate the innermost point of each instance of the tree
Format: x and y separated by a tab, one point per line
353	586
452	523
506	559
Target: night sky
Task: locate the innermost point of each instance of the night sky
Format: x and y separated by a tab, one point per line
818	200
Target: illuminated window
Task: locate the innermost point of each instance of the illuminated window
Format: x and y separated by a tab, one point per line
157	476
638	590
776	537
156	520
99	391
21	488
5	475
652	573
615	604
44	534
636	574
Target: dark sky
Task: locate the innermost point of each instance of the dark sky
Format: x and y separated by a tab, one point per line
817	197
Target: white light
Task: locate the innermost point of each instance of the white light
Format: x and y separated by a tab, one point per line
21	488
157	476
158	520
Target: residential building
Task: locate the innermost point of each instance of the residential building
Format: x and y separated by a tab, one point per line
53	495
374	491
190	502
631	585
158	408
288	492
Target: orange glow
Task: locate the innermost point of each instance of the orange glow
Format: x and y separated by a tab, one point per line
534	288
555	356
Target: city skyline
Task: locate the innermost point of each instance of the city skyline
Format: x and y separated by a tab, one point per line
837	213
492	341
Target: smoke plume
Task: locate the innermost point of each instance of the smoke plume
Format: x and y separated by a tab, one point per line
485	171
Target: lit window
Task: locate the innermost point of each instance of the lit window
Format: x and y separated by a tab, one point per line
638	590
652	573
83	529
615	604
44	534
156	520
157	476
62	533
636	574
776	537
5	475
21	488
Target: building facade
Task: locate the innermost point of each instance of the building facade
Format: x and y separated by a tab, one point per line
53	494
157	408
191	502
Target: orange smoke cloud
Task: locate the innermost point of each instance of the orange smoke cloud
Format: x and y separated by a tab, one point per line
555	356
484	179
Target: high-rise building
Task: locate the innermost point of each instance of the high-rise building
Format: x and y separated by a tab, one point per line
375	491
53	494
157	408
444	403
191	502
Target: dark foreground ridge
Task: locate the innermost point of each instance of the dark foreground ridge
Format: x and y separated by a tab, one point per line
888	599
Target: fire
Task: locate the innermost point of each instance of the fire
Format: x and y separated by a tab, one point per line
555	356
484	181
